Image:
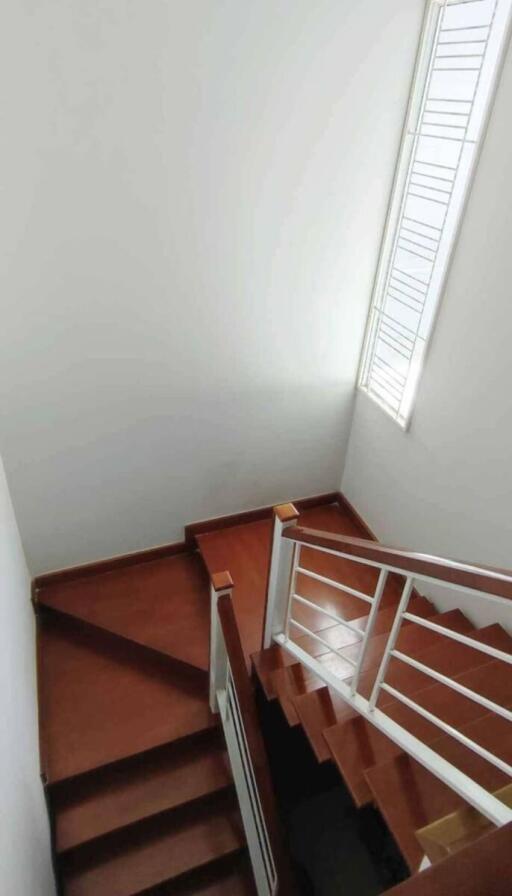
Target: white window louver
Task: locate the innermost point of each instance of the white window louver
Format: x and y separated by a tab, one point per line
458	64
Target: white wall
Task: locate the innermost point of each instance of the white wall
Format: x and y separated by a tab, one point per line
446	485
192	198
24	838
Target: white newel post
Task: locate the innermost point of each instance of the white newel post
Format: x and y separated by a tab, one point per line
220	583
285	515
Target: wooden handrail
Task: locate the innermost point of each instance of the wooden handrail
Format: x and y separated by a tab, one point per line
480	578
255	744
484	868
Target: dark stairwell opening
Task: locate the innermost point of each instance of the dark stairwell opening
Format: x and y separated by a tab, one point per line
336	849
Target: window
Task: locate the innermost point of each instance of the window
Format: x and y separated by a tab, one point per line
462	45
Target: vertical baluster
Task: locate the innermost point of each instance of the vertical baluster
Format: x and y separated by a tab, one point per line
393	635
280	571
377	597
220	583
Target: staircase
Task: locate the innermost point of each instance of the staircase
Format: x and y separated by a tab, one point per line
134	762
138	784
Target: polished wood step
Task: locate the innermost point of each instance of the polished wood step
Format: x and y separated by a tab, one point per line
450	658
412	638
356	745
154	852
128	792
320	709
293	681
162	605
245	551
265	662
101	701
338	636
409	797
232	877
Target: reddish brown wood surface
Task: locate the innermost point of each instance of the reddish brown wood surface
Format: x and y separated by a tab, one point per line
483	578
232	877
482	869
246	517
245	552
131	791
162	605
99	567
155	852
102	701
410	797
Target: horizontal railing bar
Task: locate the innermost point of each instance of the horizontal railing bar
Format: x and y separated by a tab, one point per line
463	639
412	277
453	685
313	606
449	729
330	648
401	302
387	379
462	784
398	376
485	580
422	292
442	112
395	332
464	28
338	585
449	99
427	199
397	322
448	68
449	43
444	180
394	391
413	242
459	56
383	397
393	347
439	136
413	251
402	293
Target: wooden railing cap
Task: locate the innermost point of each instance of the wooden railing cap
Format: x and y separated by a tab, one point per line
486	579
221	581
286	513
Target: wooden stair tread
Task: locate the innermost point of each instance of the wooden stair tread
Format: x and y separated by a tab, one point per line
100	704
231	878
412	638
450	658
293	681
318	710
410	797
265	662
130	791
163	605
245	551
356	745
154	852
340	637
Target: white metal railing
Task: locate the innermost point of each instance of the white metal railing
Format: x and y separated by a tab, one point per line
230	696
289	542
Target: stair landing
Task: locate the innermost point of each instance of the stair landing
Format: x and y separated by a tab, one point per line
101	702
162	604
245	551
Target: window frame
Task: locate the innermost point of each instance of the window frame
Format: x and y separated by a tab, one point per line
418	87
